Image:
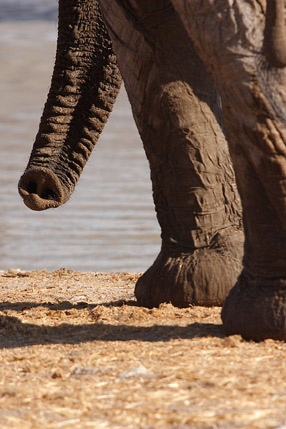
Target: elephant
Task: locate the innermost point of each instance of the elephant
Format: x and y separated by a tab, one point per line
206	83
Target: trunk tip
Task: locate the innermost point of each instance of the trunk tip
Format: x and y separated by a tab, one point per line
41	189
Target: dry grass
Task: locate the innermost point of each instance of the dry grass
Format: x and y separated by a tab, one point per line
76	352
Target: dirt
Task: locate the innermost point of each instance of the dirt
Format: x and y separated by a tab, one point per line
77	352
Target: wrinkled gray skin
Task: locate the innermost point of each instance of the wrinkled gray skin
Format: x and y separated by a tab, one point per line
172	55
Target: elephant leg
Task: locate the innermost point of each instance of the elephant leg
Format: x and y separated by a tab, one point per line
254	105
177	113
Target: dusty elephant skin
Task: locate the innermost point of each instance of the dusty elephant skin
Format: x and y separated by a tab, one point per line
169	54
194	189
193	182
253	100
84	87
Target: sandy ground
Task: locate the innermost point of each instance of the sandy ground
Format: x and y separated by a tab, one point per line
76	352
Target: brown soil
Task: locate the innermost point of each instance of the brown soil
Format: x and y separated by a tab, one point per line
76	352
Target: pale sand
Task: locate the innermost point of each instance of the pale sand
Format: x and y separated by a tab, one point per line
76	352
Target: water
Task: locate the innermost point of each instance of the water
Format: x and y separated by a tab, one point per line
28	10
109	224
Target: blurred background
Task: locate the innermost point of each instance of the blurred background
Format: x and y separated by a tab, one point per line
109	224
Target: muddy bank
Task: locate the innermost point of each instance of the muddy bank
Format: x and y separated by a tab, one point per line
76	352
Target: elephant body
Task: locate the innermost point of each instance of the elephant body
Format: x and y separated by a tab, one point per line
201	75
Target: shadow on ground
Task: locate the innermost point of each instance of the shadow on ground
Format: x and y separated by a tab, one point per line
63	305
15	333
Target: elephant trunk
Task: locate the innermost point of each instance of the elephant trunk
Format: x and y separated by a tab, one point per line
84	86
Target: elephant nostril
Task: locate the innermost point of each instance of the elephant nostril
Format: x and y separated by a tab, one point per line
49	194
32	188
41	189
45	194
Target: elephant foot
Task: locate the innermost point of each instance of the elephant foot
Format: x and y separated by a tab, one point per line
256	309
201	277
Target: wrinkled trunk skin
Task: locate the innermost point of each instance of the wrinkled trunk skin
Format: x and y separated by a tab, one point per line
84	86
177	113
229	37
